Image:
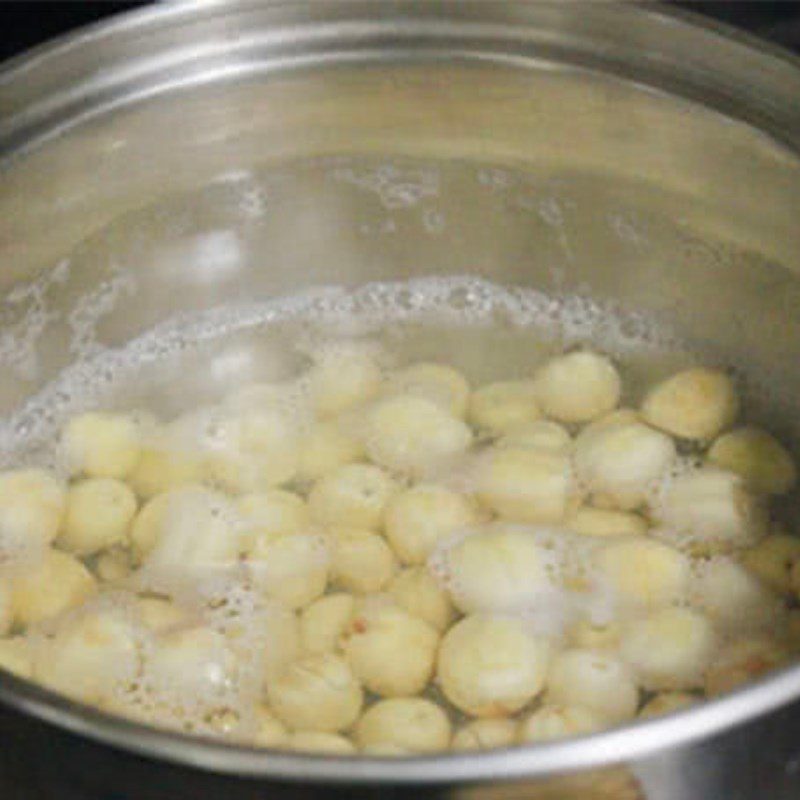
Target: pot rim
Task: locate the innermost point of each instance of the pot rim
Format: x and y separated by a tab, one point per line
606	748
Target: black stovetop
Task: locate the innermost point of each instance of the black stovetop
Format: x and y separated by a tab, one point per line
25	24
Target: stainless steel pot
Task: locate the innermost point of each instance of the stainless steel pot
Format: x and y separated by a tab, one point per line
193	154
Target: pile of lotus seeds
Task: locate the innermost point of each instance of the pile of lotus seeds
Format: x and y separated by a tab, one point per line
392	562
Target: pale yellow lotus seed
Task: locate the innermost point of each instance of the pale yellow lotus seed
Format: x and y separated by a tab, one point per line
290	568
595	680
759	458
324	448
114	566
417	592
497	570
343	377
102	445
712	511
697	403
543	434
670	649
198	532
524	485
501	407
772	560
618	462
592	635
578	387
417	519
555	721
162	469
490	666
414	436
274	511
485	734
49	588
643	573
440	383
269	730
90	658
324	621
353	496
590	521
413	724
316	693
161	615
32	504
361	561
734	600
98	514
743	661
390	651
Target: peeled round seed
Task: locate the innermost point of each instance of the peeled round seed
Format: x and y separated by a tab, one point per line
490	666
90	657
594	680
161	615
671	649
98	514
361	561
413	435
772	560
416	591
710	510
269	731
694	404
485	734
102	445
324	621
578	387
743	661
590	521
191	666
592	635
31	507
412	723
280	641
554	721
148	525
761	460
198	531
258	450
343	377
16	657
324	448
642	573
292	568
499	408
525	485
54	585
666	703
390	651
497	570
418	518
162	469
539	435
324	743
316	693
618	462
354	495
734	600
274	511
442	384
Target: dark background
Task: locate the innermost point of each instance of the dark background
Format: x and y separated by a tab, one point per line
24	24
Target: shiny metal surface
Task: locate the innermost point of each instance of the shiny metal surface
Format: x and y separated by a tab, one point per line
606	149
